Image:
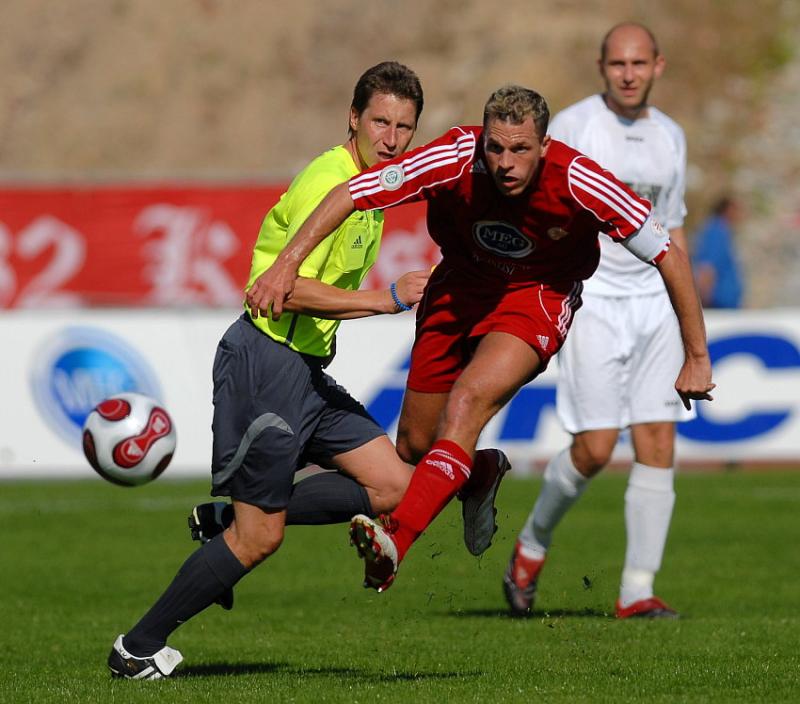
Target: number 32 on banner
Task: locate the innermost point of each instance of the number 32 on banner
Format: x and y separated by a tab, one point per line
68	253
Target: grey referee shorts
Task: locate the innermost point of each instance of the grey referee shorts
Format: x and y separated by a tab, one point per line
275	411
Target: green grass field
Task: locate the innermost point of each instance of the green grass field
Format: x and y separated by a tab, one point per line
81	561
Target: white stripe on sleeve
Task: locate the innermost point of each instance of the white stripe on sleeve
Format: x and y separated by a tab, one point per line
593	184
415	166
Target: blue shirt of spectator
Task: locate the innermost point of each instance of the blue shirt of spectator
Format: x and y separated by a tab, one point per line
716	264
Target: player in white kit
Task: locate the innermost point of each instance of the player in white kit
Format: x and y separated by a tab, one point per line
618	366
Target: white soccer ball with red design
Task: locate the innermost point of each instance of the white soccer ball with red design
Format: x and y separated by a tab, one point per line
129	439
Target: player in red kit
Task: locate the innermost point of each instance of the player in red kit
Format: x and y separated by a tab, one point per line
517	217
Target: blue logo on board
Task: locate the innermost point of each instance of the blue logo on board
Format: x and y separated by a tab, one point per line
80	367
772	352
521	420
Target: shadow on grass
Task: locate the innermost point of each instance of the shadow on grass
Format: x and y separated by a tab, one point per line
232	669
535	615
256	668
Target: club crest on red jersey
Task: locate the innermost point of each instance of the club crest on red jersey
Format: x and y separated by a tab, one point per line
501	238
392	177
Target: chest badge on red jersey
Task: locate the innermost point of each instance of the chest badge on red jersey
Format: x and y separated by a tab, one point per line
502	239
557	233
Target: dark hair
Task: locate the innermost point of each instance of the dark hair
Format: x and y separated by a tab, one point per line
513	104
389	78
722	205
604	43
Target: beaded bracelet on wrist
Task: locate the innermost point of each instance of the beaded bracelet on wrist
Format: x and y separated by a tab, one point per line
400	305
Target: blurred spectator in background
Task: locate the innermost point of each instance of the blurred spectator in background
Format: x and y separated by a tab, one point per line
716	266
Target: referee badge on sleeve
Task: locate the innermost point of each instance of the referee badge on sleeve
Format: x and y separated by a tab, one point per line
392	177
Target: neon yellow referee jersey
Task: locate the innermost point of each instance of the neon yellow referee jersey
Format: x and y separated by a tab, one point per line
342	259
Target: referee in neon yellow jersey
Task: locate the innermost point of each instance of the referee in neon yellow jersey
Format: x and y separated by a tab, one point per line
275	408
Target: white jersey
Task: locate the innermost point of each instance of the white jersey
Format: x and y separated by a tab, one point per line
649	155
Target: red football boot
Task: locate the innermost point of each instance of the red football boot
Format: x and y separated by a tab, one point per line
519	582
646	608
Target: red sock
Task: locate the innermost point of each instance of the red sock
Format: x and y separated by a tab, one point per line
436	480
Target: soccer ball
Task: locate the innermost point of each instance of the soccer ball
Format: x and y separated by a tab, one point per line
129	439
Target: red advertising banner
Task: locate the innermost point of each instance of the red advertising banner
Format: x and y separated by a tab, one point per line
156	245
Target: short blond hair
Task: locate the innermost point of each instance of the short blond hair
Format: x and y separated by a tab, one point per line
512	103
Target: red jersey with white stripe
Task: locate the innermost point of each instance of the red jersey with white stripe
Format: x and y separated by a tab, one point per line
549	234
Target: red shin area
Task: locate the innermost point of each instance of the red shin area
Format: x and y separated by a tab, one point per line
437	479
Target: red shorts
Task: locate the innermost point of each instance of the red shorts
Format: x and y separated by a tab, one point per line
456	311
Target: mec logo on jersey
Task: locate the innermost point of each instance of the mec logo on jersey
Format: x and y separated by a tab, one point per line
80	367
501	238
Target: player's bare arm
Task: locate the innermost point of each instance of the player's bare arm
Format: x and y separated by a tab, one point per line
694	379
677	235
650	243
276	285
321	300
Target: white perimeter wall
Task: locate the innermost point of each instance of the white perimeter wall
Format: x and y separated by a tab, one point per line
55	365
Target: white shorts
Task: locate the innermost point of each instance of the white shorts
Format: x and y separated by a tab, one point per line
619	364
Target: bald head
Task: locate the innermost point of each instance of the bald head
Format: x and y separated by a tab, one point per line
629	64
628	32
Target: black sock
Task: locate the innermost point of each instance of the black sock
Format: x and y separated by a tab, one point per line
207	573
321	499
327	497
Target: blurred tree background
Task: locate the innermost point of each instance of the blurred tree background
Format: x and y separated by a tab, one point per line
236	90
